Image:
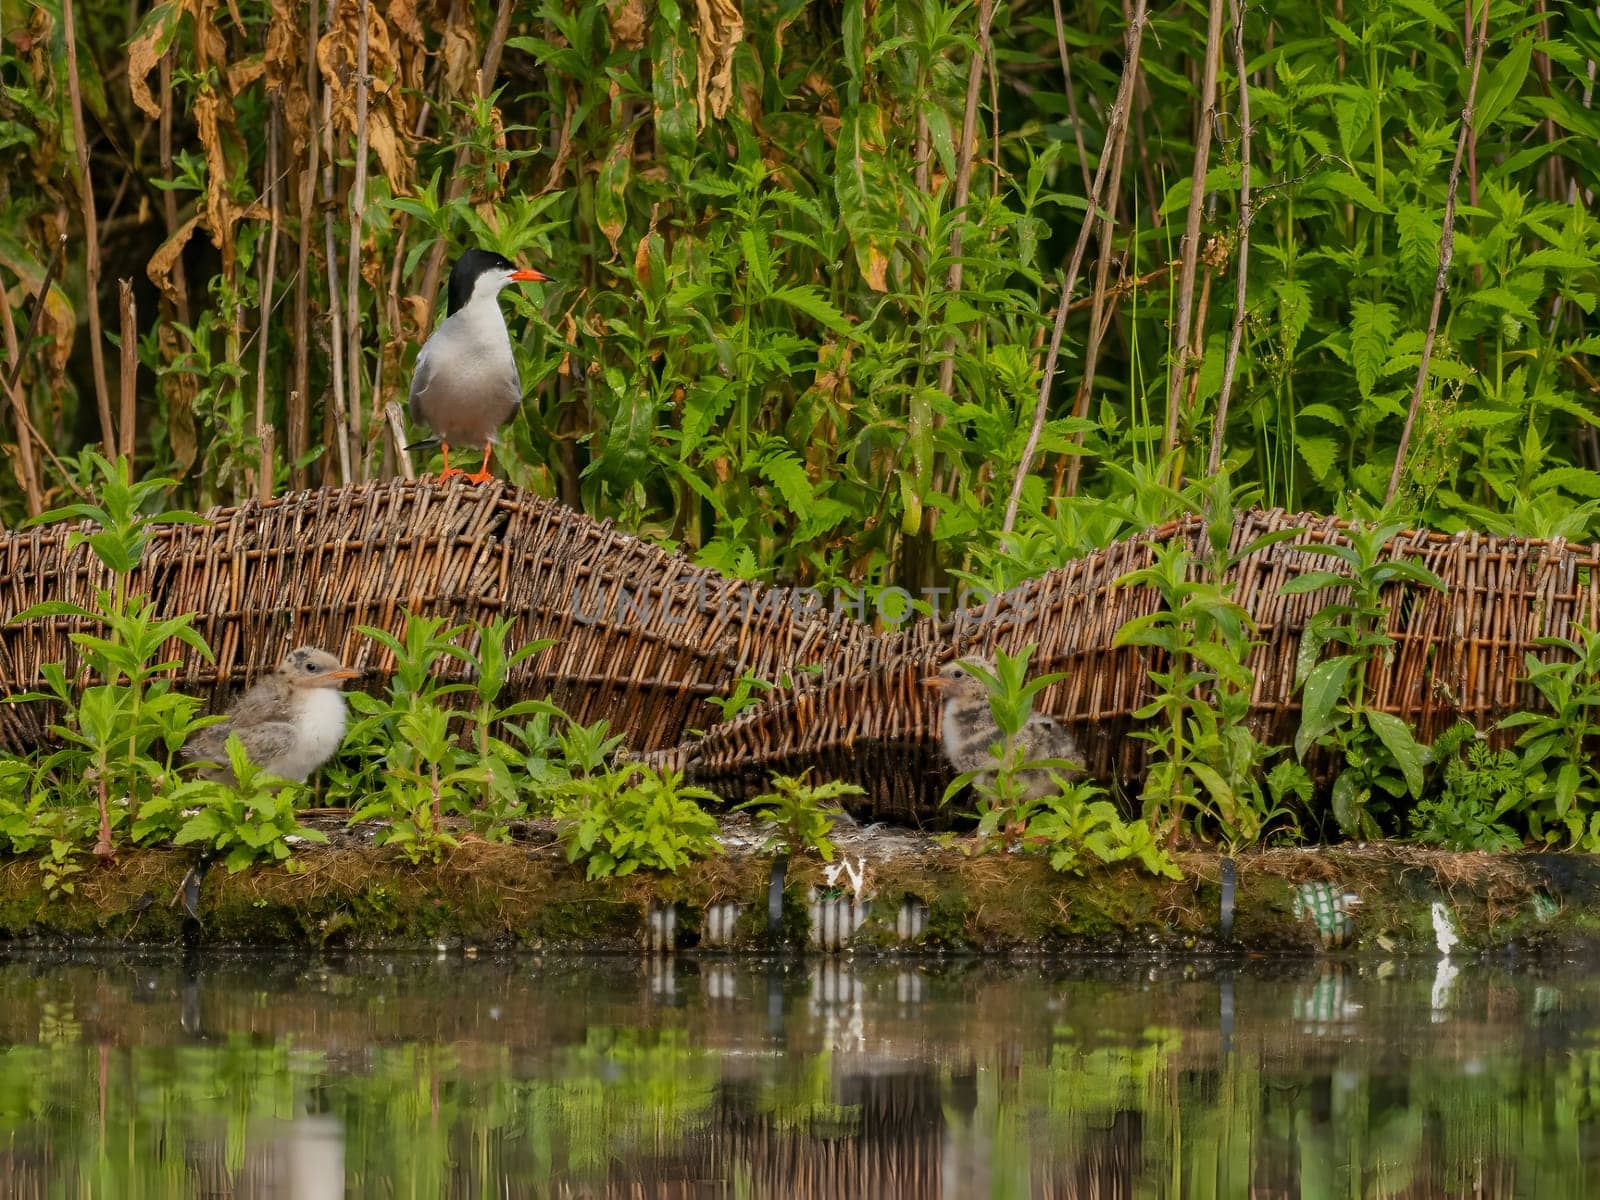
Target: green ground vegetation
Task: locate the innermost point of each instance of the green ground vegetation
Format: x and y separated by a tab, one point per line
854	296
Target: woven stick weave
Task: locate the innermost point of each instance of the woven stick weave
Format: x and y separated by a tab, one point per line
642	635
1458	653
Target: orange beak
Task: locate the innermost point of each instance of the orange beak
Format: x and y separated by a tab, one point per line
936	682
343	673
529	275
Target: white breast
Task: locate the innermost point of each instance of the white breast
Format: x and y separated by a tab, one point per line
319	723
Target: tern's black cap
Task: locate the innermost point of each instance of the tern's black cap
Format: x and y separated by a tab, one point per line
464	275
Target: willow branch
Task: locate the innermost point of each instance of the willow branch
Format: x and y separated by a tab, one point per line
1190	253
352	291
1236	334
1447	246
1115	131
91	235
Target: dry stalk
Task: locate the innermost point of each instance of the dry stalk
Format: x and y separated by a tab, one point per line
1190	252
397	433
352	291
965	156
26	474
1099	318
128	367
1116	130
91	234
1236	334
1072	99
169	195
298	417
338	417
1447	245
266	439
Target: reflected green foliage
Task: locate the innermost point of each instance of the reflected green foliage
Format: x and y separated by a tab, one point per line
139	1079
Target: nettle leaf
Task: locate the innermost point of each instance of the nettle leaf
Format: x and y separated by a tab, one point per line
809	300
1294	310
1371	331
1320	454
1577	480
784	470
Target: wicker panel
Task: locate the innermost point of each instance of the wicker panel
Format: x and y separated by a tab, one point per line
1458	653
642	635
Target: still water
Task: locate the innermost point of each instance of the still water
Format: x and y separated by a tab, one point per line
127	1077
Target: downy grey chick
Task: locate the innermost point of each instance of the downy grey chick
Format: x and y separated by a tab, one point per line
968	733
290	723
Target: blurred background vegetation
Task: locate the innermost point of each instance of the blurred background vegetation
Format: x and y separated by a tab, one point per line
809	258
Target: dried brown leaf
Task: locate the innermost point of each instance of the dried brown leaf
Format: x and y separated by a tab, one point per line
458	47
144	55
719	28
162	262
243	73
629	23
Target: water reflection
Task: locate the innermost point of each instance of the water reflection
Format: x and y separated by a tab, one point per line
141	1077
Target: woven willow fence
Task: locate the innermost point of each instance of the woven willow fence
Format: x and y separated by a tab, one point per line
642	636
1459	653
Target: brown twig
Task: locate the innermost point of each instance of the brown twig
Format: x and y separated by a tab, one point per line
1116	129
1098	323
128	367
1072	99
966	154
266	436
91	234
352	291
25	467
1447	243
1190	251
169	195
1236	333
298	417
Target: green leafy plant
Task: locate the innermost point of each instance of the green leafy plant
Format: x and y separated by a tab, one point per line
1206	763
1479	787
635	818
121	734
249	823
1558	743
1077	826
800	814
1376	756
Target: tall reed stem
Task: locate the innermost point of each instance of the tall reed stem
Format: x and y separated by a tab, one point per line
1447	245
1190	252
1236	333
91	234
1117	129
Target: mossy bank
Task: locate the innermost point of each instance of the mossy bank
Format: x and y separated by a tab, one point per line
918	895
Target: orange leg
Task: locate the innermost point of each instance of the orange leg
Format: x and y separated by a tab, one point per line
448	469
483	475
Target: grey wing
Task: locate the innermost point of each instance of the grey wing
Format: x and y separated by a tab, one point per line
209	745
268	743
421	377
